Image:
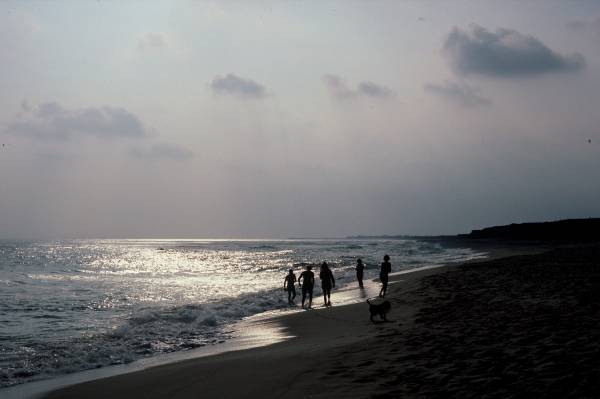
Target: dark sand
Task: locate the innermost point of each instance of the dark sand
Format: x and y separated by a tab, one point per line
525	326
522	326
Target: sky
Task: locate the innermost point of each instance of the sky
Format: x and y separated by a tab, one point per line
225	119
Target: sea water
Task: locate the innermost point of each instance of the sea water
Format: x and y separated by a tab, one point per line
75	305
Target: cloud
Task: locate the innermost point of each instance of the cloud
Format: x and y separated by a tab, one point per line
458	92
340	90
591	24
371	89
236	86
52	121
151	40
163	151
504	53
338	87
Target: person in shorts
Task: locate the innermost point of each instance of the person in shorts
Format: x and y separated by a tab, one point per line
308	283
289	285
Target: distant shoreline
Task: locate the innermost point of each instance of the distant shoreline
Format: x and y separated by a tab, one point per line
559	231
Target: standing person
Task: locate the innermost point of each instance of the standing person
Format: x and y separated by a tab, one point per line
308	283
386	269
327	282
359	272
289	284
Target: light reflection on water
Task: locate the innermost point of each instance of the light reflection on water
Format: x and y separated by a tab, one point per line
73	305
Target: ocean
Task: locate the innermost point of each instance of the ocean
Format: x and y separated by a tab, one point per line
69	306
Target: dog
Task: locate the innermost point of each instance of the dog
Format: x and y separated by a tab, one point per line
380	309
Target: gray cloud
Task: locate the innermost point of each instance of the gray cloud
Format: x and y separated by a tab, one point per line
340	90
338	87
163	151
504	53
151	40
234	85
371	89
52	121
459	92
589	24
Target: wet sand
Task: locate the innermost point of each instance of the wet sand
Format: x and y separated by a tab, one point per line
521	326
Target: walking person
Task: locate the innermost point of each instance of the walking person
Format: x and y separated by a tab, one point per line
327	283
386	269
359	272
289	285
307	284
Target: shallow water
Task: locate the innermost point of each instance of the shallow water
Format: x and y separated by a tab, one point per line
74	305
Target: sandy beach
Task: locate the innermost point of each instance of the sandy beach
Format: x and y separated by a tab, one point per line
519	326
170	170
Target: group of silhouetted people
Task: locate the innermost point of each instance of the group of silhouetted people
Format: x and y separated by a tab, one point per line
306	281
386	269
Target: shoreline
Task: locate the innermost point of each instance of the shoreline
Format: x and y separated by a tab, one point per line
257	331
289	357
196	308
346	325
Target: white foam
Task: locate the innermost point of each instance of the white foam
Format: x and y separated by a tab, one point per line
248	334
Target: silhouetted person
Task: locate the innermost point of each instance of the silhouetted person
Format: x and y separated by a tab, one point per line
327	283
289	284
359	272
386	269
307	284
